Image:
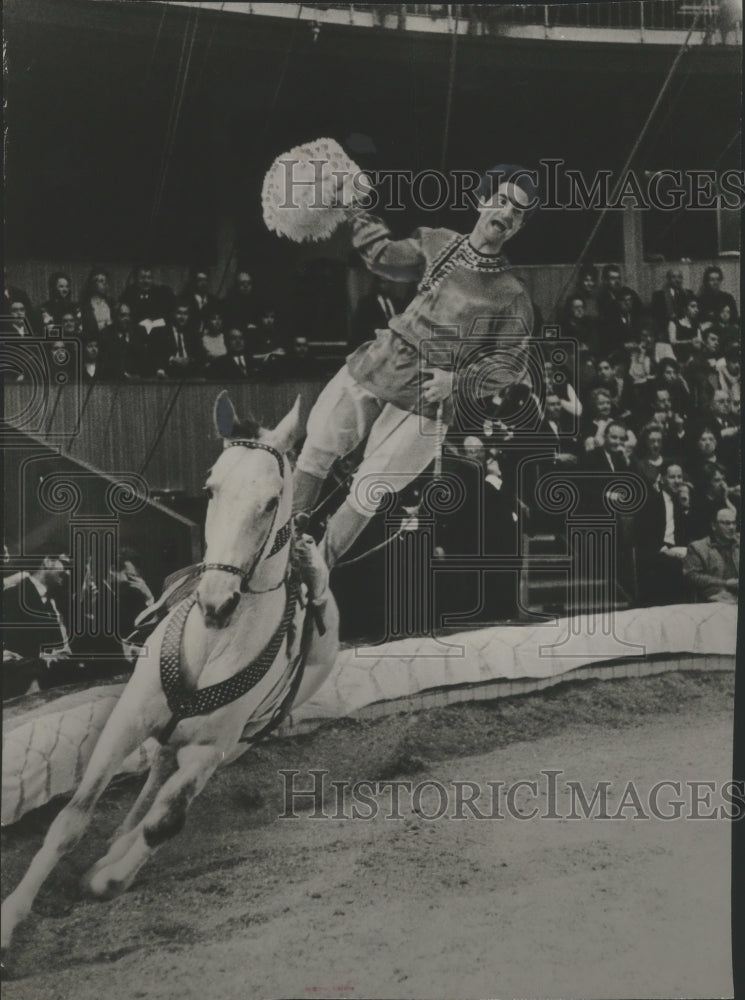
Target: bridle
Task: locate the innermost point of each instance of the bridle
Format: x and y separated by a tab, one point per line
281	538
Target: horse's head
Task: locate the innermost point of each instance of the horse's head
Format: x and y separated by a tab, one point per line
250	491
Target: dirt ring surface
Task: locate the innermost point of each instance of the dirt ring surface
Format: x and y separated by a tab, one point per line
244	904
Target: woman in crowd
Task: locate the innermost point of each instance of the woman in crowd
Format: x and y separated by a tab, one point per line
726	328
598	415
213	342
685	331
648	460
96	303
60	296
703	456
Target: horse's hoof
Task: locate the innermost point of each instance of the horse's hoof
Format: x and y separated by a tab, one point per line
103	886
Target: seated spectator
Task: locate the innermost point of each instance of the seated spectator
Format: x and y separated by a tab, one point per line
668	304
559	425
659	529
622	330
12	294
714	493
213	341
720	418
578	326
20	323
609	299
558	383
686	331
151	304
612	376
123	346
60	296
611	455
726	328
728	374
96	304
703	453
197	293
588	290
241	308
668	379
265	343
299	360
597	416
712	298
235	365
33	621
642	359
711	563
374	310
649	459
174	349
92	370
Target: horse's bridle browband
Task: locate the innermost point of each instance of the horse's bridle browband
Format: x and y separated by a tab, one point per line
282	536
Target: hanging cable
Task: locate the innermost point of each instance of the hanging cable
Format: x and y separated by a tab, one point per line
182	75
261	145
161	429
451	82
673	221
629	160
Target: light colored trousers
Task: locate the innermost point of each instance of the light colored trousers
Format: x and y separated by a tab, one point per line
400	444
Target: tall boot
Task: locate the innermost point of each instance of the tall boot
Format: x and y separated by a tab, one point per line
307	489
343	529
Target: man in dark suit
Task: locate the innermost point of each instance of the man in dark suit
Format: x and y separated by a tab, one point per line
124	346
610	458
661	540
32	620
235	365
174	349
149	302
669	302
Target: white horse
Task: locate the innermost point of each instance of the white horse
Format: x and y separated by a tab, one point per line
238	618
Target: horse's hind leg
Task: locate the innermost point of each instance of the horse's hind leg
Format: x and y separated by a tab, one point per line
164	820
163	765
119	738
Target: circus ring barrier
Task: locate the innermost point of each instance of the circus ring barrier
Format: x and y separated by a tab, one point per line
46	748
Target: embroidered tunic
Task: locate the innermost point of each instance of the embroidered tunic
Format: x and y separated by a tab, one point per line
471	315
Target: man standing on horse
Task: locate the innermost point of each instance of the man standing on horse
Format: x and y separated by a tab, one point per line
464	336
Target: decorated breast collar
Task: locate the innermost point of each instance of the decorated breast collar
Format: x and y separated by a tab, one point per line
458	252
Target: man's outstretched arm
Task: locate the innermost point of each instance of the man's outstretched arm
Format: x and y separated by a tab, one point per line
398	260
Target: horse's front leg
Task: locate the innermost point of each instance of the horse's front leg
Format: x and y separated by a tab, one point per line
163	766
164	819
122	734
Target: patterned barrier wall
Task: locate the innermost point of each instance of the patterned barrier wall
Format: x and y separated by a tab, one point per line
45	749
